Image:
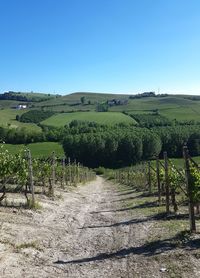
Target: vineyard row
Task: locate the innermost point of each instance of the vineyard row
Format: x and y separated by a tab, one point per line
168	183
21	173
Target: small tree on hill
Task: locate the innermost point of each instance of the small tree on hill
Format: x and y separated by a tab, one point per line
83	100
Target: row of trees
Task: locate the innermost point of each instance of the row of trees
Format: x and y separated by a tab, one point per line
111	146
124	145
151	120
34	116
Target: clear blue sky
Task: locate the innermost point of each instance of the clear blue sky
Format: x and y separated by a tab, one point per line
119	46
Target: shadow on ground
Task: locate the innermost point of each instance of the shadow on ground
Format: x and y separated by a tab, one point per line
144	205
153	248
159	216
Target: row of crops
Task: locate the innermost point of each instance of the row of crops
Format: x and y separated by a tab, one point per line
21	174
175	188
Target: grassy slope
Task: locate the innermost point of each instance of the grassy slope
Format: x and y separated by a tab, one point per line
99	117
178	162
7	117
43	149
173	107
76	98
4	104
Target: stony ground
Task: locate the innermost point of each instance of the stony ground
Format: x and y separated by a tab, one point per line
95	230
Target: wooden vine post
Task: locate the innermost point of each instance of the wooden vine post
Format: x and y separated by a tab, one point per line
158	179
63	172
70	172
189	185
32	187
75	172
166	182
78	172
149	176
52	185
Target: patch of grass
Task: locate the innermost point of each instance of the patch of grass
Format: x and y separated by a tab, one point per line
178	162
174	270
43	149
35	206
32	244
182	113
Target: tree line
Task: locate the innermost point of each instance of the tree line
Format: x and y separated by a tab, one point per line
111	146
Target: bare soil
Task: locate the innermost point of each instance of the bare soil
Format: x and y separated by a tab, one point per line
90	232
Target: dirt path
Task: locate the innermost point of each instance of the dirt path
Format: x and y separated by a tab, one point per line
87	233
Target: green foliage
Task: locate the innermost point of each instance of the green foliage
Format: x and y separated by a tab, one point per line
83	99
151	120
194	144
15	168
26	97
175	179
195	180
110	146
102	107
100	170
173	138
35	116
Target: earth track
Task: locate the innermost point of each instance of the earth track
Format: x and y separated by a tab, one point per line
88	233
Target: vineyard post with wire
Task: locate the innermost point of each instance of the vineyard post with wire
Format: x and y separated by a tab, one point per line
32	188
78	172
52	184
189	185
63	172
149	176
166	182
70	172
158	179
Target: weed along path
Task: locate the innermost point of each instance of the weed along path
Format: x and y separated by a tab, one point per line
95	230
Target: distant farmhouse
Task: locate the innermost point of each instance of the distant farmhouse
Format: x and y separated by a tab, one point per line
21	106
115	101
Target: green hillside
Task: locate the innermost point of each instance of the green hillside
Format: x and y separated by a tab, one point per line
176	107
98	117
8	118
179	107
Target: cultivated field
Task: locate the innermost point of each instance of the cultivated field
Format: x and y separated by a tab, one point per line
98	117
179	107
8	118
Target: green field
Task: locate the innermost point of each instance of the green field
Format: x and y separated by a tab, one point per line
5	104
170	107
7	118
182	113
178	162
98	117
43	149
